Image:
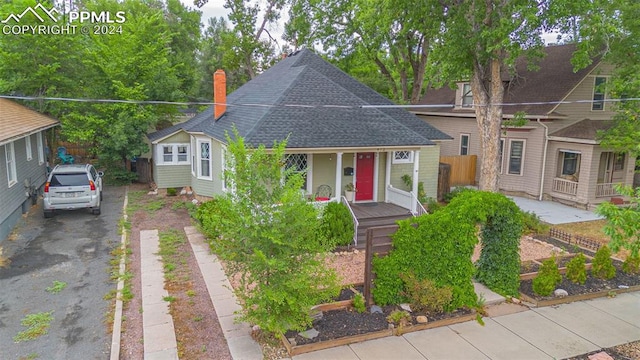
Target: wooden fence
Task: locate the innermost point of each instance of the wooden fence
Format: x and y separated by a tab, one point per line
144	169
579	240
378	243
463	169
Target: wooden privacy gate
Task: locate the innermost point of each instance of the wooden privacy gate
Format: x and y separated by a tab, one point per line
463	169
378	243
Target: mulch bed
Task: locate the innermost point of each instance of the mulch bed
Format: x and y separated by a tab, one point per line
338	324
592	285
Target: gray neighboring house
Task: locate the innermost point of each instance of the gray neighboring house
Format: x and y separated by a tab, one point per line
331	133
555	155
22	149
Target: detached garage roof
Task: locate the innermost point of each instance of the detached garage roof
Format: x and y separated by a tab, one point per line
17	121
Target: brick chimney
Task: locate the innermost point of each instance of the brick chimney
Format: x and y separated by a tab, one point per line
219	94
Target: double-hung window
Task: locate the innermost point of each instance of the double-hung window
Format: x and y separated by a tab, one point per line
40	149
569	164
598	93
467	95
27	142
10	158
173	154
464	144
204	159
516	157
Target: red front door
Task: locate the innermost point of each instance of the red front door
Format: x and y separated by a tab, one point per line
364	176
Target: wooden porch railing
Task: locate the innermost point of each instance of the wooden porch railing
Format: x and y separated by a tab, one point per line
565	186
606	189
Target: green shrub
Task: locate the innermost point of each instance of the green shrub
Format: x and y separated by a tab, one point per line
358	303
172	192
576	270
433	205
548	278
533	224
422	195
399	317
602	265
337	224
424	295
631	264
210	216
455	192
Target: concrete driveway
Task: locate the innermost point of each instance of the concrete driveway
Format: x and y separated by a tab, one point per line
73	248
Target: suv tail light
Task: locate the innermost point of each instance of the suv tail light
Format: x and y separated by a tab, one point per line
93	185
46	187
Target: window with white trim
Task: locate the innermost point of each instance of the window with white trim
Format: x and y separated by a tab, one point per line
467	95
619	162
27	142
464	144
40	148
204	159
516	157
569	165
173	154
194	164
298	163
501	155
403	157
598	93
10	157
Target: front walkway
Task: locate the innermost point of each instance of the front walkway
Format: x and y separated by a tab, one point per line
553	212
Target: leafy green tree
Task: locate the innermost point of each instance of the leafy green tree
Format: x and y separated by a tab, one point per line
396	37
623	223
270	237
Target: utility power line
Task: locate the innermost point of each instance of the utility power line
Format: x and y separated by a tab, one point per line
381	106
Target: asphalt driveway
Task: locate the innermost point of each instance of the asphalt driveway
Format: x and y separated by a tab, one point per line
72	248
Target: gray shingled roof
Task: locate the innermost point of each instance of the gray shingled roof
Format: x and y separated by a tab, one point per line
553	80
585	129
314	103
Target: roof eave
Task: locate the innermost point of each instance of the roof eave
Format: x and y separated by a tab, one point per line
25	134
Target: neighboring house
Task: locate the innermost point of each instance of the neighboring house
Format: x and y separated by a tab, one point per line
331	132
555	155
22	149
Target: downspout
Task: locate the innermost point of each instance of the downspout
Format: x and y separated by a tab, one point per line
544	157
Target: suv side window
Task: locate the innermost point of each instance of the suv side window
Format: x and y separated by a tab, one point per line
94	173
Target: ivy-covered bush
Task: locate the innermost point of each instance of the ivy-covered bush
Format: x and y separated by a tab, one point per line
501	228
337	225
602	265
576	270
439	248
548	278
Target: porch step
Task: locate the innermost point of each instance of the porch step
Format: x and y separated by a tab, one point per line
366	223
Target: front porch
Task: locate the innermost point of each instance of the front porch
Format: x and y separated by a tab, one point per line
569	187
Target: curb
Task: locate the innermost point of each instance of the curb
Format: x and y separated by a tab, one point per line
117	316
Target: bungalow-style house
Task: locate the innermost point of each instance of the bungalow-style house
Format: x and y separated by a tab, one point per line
22	145
556	154
339	130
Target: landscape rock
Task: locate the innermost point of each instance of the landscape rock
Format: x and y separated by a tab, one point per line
515	300
405	307
560	293
600	356
422	319
309	334
292	341
375	309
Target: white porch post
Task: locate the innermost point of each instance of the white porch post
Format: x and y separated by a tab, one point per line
338	189
416	167
387	175
376	171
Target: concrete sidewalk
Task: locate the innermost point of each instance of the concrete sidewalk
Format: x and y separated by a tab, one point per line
553	212
543	333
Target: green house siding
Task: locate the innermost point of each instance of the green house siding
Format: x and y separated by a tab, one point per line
428	172
212	187
324	172
168	176
397	171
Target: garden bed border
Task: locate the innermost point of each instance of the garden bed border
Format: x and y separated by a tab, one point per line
579	297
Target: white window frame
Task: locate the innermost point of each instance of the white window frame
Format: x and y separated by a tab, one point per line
563	158
522	156
468	136
403	160
174	154
10	158
27	143
40	148
464	94
199	143
194	151
599	92
501	150
223	162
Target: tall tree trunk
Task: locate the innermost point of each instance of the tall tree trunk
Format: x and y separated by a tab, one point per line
487	88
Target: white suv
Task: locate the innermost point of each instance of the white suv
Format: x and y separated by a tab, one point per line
70	187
